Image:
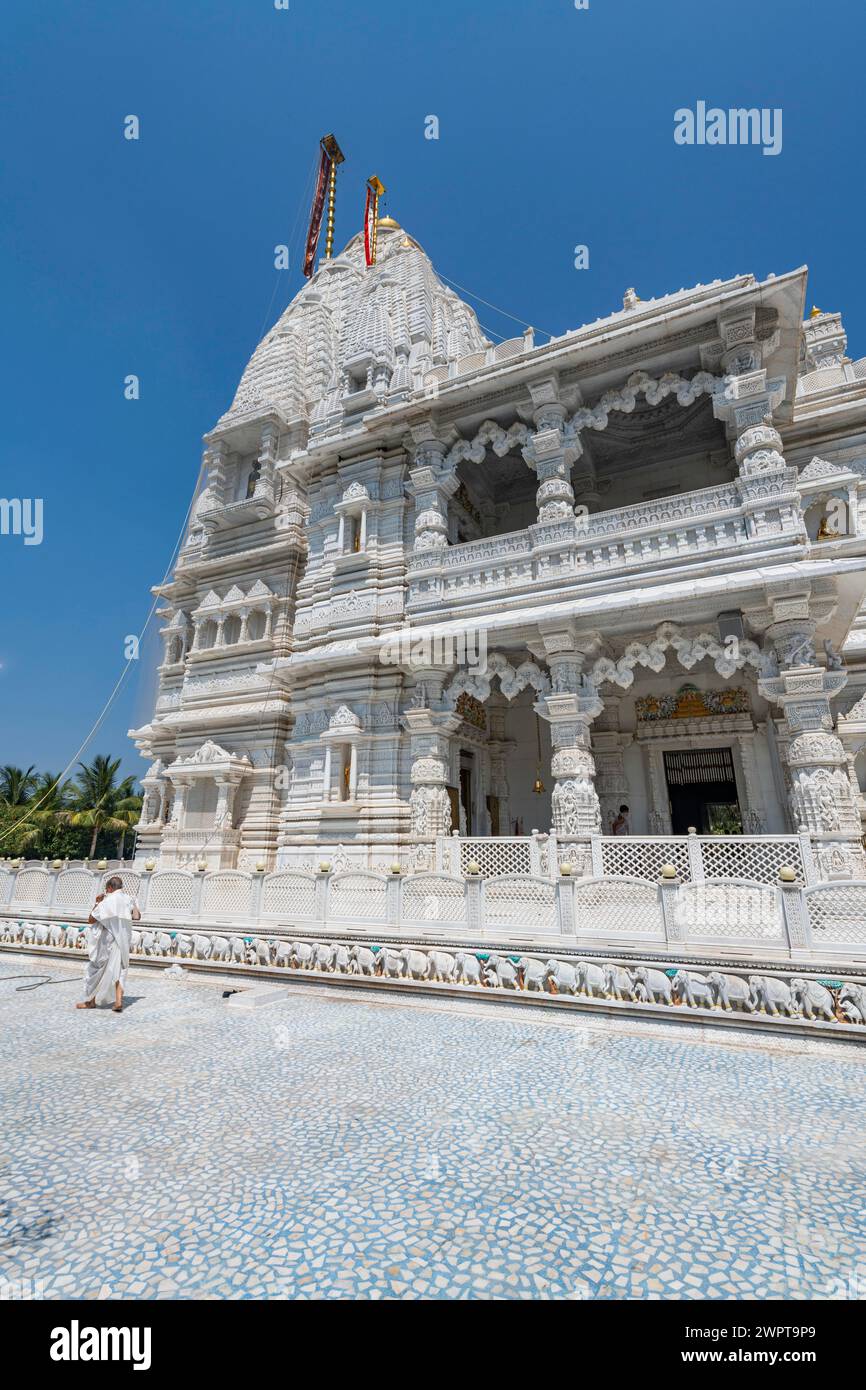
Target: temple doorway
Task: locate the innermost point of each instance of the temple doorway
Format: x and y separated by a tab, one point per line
702	790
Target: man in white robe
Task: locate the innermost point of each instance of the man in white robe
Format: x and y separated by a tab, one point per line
110	937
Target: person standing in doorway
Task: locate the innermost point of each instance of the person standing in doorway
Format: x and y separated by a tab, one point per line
620	825
113	914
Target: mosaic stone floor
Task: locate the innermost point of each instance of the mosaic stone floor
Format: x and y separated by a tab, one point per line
340	1147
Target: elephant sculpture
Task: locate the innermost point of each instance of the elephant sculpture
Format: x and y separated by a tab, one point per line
72	935
57	934
561	977
769	995
237	950
202	947
40	934
652	986
219	948
163	946
414	964
362	961
440	967
810	999
389	963
500	971
301	955
259	951
341	958
183	945
692	989
323	956
852	1003
729	992
618	982
533	974
590	979
467	968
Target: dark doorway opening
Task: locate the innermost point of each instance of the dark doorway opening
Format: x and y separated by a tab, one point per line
702	790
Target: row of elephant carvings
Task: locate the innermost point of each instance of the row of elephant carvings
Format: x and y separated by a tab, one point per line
797	997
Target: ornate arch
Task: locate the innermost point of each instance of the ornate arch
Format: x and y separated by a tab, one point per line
511	680
489	436
689	650
656	389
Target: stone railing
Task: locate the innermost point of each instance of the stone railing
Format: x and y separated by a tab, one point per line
695	857
685	526
717	916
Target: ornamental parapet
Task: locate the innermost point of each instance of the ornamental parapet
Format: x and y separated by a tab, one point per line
685	527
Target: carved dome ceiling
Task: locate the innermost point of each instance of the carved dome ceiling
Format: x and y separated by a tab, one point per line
354	328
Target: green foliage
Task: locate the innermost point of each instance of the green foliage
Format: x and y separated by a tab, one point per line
91	816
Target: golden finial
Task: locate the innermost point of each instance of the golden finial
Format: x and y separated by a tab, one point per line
816	312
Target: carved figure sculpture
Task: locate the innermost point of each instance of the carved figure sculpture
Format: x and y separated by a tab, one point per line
769	995
811	999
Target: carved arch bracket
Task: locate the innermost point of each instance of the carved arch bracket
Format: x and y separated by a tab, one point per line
689	650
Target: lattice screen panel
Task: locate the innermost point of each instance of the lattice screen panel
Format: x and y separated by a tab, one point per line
290	895
32	886
528	904
434	898
227	894
496	856
644	858
75	888
760	859
741	911
838	913
170	891
612	905
358	897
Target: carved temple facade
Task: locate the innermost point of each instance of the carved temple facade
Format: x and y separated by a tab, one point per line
431	584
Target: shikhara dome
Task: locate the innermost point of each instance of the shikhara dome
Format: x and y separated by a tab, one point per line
355	329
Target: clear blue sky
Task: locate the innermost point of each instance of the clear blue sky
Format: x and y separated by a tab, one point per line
156	257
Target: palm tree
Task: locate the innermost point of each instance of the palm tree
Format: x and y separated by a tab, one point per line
49	796
16	785
100	802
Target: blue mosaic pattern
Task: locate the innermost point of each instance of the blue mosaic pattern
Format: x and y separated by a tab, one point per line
334	1147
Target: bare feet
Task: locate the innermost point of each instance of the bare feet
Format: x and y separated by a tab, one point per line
88	1004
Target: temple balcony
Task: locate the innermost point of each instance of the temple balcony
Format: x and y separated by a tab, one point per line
685	528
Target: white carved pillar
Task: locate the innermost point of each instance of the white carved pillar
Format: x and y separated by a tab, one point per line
432	482
216	457
570	708
326	774
178	811
551	453
657	789
821	795
754	810
429	730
